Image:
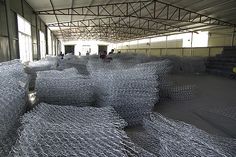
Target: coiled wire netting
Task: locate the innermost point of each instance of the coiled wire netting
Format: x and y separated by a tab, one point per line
105	116
74	131
49	63
180	139
132	92
72	61
66	88
13	97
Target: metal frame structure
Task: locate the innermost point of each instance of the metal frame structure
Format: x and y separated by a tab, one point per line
151	18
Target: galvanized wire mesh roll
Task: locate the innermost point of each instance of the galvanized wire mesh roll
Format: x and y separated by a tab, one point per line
146	141
44	140
13	97
180	139
32	68
132	92
74	131
71	61
105	116
65	89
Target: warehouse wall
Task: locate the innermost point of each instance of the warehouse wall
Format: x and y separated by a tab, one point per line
222	37
4	44
217	39
9	48
90	44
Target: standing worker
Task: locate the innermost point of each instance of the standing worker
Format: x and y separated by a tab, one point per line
112	51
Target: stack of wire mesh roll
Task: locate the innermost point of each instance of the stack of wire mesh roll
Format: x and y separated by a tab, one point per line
13	98
132	92
32	68
74	131
176	138
65	87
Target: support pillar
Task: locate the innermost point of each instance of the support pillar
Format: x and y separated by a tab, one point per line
9	30
233	36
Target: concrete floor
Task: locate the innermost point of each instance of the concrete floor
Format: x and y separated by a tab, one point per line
213	93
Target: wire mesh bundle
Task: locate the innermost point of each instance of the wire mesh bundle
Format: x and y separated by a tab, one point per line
71	72
74	62
187	64
9	140
98	65
193	64
181	93
129	60
132	92
75	91
13	70
165	87
146	141
44	64
41	139
32	68
180	139
104	117
13	96
135	58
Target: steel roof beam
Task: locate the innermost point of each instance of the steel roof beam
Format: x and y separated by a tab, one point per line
53	9
155	10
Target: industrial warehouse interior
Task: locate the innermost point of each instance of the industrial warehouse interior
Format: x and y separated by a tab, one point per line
117	78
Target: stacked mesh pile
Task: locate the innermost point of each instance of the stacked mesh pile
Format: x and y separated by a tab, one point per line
73	131
132	92
32	68
144	140
65	88
179	92
70	72
187	64
84	116
100	65
13	97
134	58
180	139
70	61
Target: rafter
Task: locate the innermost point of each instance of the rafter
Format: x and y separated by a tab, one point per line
146	9
147	25
53	9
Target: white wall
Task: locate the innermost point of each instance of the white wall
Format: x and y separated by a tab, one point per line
200	44
83	45
221	37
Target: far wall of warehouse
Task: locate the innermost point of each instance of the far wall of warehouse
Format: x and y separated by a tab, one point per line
83	46
9	33
200	44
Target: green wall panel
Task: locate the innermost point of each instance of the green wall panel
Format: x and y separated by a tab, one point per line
16	6
28	12
4	49
3	20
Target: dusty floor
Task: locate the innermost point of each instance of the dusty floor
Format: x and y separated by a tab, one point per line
214	95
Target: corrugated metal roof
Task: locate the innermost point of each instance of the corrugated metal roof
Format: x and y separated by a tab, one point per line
121	20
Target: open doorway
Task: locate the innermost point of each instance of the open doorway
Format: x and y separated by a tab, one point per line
69	49
102	48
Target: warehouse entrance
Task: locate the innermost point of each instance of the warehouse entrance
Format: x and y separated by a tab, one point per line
102	48
69	49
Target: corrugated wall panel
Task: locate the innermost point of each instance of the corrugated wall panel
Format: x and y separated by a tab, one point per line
16	6
15	54
27	12
4	49
3	20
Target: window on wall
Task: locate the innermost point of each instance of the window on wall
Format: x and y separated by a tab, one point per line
42	44
25	41
49	43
